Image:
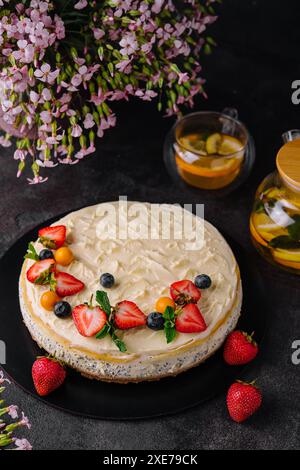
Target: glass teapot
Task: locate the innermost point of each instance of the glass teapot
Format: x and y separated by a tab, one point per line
275	218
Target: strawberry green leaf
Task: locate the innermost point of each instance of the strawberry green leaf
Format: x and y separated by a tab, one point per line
47	242
44	278
103	301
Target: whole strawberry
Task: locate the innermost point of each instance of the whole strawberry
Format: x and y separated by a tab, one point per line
243	400
48	375
240	348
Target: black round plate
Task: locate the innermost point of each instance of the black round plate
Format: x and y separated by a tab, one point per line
117	401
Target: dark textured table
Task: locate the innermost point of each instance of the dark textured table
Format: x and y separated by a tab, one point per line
252	69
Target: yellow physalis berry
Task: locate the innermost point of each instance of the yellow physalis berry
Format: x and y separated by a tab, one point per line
63	256
164	302
49	299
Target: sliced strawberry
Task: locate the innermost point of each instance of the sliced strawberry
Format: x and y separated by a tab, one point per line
184	292
39	272
66	284
53	237
128	315
89	320
190	320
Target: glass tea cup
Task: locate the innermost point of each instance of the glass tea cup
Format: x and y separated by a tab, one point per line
210	148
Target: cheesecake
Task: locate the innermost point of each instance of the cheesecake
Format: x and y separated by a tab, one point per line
143	264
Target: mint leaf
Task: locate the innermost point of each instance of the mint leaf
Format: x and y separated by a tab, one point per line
104	332
31	253
169	313
284	242
103	301
170	334
118	342
259	207
294	229
169	325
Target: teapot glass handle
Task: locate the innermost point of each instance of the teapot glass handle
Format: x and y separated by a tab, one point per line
291	135
231	112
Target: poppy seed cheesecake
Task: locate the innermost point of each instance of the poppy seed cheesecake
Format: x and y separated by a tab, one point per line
152	314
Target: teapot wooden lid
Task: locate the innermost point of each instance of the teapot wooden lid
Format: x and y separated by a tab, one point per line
288	163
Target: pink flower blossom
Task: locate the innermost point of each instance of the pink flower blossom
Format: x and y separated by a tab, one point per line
20	154
25	53
3	379
129	44
13	411
4	141
76	130
98	33
81	4
89	121
45	75
36	180
22	444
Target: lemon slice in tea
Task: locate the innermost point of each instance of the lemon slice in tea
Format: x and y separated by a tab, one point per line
213	143
229	145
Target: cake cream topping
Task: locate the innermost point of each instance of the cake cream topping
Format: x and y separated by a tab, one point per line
143	269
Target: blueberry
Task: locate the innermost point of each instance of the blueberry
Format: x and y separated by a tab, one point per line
46	254
202	281
155	321
62	309
107	280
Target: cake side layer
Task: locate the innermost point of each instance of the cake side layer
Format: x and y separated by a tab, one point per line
143	367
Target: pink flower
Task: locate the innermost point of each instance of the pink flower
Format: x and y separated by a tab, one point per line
23	444
183	78
156	8
147	95
98	33
68	161
25	421
25	53
76	130
2	379
100	97
81	4
89	121
45	75
4	141
36	180
124	66
129	44
20	154
13	411
84	152
46	117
